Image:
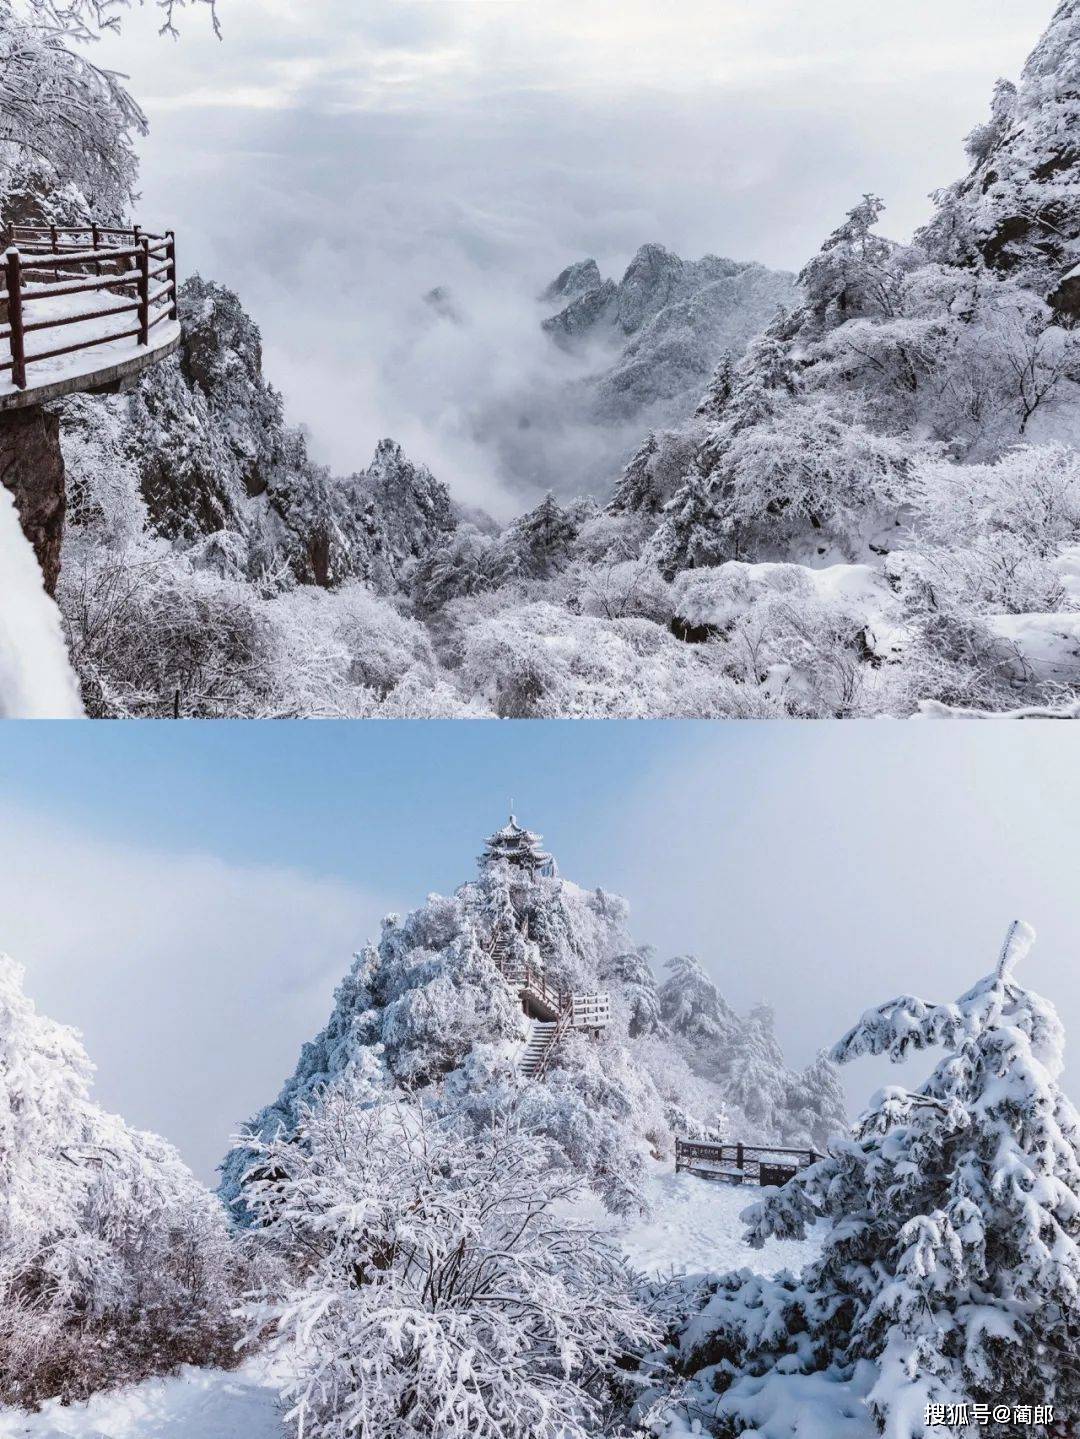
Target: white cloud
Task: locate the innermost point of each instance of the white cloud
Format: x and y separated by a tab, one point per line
194	979
333	162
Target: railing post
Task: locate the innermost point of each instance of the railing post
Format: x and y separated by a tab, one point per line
144	292
739	1164
170	255
13	272
95	244
52	237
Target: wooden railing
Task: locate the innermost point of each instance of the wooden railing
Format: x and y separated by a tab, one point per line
590	1011
50	262
768	1164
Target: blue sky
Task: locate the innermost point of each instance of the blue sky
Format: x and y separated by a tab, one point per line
188	895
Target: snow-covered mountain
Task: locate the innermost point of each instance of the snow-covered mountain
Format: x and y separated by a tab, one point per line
873	508
669	321
453	1000
202	445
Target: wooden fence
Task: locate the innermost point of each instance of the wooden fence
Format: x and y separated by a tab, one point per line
742	1163
58	262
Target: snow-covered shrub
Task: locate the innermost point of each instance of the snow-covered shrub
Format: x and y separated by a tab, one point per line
149	632
438	1288
539	661
813	637
114	1261
1030	497
625	589
950	1271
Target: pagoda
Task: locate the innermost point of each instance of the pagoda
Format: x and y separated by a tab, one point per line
520	849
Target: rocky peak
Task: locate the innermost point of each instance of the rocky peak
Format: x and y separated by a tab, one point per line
578	279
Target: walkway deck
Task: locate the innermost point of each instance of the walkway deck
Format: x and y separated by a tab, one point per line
83	310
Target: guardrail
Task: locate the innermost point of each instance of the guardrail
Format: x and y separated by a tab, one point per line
590	1011
60	262
765	1164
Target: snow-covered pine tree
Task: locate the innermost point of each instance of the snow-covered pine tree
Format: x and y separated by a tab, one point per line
539	542
436	1286
952	1263
757	1082
114	1261
817	1104
630	976
693	1007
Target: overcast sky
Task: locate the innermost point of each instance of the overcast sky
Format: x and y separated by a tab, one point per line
333	161
189	895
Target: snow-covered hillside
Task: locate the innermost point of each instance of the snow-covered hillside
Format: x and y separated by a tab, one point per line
439	1005
907	423
873	508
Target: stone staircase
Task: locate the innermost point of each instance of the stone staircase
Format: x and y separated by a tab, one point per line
543	1036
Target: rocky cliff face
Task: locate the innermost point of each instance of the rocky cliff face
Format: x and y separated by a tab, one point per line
1016	210
32	468
218	468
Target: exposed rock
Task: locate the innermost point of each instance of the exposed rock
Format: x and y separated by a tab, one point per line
581	278
1016	210
666	325
32	468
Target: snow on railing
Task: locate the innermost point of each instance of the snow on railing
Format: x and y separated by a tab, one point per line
590	1011
50	263
766	1165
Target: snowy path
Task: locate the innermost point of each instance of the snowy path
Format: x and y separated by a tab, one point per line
102	354
196	1404
694	1226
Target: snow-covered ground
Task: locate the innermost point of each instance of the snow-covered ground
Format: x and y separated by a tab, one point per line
694	1226
195	1404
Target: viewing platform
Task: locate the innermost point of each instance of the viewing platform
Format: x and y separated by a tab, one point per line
766	1165
83	308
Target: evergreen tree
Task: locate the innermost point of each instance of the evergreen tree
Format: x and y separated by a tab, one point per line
952	1264
693	1007
817	1104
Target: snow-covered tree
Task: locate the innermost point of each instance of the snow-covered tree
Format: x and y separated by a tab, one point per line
693	1007
62	110
114	1261
951	1264
437	1287
1016	211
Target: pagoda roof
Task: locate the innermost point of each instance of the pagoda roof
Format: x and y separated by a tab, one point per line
516	845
